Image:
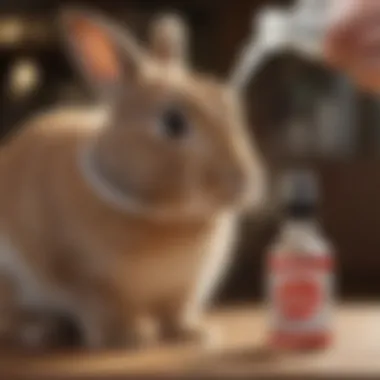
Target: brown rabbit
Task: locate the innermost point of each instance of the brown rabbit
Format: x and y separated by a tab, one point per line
125	214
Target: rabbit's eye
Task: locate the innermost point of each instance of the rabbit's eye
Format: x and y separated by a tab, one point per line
174	124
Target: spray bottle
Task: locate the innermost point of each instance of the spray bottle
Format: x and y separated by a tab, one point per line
301	28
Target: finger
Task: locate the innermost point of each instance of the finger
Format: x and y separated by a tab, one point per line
369	31
352	33
339	45
365	73
341	10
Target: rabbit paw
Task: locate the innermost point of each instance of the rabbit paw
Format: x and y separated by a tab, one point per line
207	336
43	332
136	334
135	339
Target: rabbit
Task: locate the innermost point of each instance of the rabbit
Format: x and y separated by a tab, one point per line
123	216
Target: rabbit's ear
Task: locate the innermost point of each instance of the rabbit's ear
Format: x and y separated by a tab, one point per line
107	56
169	39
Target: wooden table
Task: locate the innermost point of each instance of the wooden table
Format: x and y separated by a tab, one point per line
242	354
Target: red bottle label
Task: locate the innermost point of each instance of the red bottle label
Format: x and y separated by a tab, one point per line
298	300
300	290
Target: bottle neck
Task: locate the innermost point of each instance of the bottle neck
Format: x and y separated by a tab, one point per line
296	227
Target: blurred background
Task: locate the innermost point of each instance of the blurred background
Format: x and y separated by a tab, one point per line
300	113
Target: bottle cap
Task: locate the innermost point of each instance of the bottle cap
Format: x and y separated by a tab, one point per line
300	192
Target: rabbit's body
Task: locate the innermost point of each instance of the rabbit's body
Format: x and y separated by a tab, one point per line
126	213
69	249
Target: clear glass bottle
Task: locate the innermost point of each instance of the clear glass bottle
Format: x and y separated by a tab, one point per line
300	272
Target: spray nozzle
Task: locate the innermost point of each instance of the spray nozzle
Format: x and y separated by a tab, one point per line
300	28
270	35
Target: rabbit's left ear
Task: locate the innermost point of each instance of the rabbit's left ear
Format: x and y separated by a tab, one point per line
107	55
169	39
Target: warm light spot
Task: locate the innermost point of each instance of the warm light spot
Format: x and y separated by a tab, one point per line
11	31
24	77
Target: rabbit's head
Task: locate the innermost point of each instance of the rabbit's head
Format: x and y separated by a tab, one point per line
175	139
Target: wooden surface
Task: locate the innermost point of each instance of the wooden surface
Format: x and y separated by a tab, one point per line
241	354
